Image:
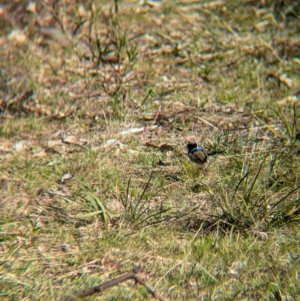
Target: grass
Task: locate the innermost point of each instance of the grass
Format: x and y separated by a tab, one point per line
97	104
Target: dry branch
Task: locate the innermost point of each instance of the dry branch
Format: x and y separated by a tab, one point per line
137	275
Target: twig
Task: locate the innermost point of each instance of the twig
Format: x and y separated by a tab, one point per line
137	275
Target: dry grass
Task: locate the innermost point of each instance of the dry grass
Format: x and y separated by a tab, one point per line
97	103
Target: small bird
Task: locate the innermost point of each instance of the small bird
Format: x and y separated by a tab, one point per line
196	153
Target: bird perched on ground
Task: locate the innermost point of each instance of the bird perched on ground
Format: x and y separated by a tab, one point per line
196	153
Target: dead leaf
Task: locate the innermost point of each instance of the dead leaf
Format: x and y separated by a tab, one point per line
18	36
40	153
53	143
113	143
2	105
261	25
66	177
281	78
285	80
71	140
290	99
21	145
138	130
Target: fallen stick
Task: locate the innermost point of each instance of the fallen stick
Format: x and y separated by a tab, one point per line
137	275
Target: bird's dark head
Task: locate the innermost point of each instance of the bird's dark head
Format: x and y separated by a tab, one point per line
191	146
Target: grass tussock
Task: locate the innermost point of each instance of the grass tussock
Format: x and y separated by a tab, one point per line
97	103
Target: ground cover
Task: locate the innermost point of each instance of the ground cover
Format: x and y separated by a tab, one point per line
98	100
